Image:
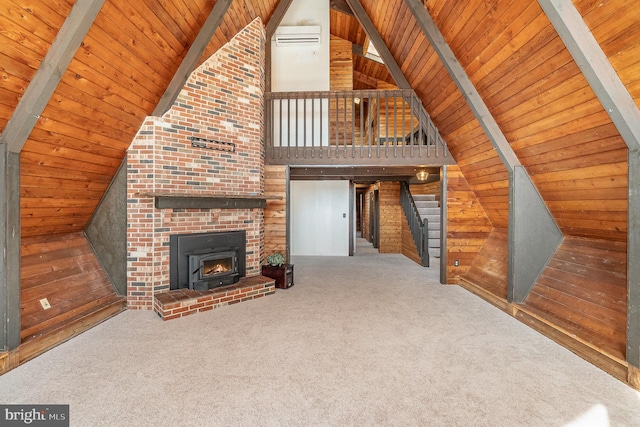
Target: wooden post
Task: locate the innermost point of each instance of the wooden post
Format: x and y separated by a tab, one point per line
10	258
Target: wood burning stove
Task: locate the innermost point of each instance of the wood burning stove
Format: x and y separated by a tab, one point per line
210	269
206	260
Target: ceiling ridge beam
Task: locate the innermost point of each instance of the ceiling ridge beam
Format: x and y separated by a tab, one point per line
49	73
192	57
464	84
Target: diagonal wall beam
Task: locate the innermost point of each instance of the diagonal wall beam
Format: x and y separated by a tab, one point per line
624	113
49	73
191	58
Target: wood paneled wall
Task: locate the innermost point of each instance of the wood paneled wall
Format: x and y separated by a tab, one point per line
409	248
467	227
390	218
583	289
341	112
65	271
275	215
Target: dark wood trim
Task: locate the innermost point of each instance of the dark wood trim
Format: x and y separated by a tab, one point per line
443	224
209	202
49	73
633	266
276	18
10	256
192	57
464	84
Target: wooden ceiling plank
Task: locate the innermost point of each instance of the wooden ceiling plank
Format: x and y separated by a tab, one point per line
388	59
49	73
463	82
596	68
193	55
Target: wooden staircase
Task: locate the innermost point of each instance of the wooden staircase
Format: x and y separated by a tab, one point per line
429	209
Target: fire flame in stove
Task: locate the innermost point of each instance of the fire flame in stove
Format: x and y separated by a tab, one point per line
218	268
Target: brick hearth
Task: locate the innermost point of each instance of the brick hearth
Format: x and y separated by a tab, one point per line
183	302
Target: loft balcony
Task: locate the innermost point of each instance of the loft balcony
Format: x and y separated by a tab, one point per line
363	127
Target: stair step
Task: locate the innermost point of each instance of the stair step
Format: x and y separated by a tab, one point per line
427	204
423	197
434	234
432	218
429	211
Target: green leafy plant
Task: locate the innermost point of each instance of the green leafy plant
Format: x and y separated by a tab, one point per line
276	259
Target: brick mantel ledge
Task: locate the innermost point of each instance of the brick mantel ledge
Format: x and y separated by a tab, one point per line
182	302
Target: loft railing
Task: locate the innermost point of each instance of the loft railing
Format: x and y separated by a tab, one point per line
418	226
386	127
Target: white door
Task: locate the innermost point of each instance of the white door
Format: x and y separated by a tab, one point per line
320	218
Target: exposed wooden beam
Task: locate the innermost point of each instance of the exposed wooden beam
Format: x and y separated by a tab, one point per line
624	113
461	79
193	55
49	73
341	6
378	42
633	265
10	256
369	81
276	18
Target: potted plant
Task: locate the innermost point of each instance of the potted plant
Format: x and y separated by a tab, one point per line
276	259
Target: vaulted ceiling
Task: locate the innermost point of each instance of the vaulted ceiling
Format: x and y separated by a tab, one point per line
509	49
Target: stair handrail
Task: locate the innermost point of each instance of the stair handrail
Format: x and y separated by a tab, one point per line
418	226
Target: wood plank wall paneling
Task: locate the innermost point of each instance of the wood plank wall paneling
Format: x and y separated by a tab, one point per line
408	245
366	214
467	225
490	266
616	25
390	218
275	214
341	112
346	27
583	289
64	270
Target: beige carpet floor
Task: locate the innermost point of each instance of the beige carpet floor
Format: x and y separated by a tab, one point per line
358	341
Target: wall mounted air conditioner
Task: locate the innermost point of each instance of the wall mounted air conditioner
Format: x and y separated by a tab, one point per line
298	35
